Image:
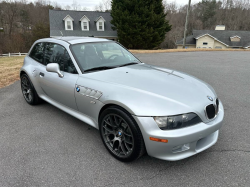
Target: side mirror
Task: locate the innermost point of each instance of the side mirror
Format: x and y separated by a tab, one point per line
54	67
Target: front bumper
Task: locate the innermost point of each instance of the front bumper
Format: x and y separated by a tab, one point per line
197	138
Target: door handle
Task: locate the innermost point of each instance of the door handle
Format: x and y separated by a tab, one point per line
41	74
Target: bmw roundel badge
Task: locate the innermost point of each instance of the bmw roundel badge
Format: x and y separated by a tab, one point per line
77	89
210	98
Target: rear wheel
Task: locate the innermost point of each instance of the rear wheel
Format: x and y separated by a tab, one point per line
28	90
120	134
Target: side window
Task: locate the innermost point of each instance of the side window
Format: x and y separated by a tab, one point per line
37	52
55	53
68	64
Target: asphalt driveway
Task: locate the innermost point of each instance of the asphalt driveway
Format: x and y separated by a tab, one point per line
43	146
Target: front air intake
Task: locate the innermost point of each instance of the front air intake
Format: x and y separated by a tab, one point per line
212	110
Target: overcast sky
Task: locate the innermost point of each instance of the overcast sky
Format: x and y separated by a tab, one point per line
90	4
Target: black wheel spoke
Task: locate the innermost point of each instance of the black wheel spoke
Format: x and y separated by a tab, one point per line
118	121
129	135
107	122
107	133
122	148
107	129
127	147
126	141
112	122
24	85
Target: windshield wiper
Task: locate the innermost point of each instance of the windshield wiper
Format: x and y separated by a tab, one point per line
131	63
99	68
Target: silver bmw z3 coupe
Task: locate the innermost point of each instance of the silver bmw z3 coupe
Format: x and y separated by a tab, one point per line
138	108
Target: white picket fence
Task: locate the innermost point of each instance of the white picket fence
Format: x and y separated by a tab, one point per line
13	54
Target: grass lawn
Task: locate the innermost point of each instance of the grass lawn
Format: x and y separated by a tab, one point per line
9	70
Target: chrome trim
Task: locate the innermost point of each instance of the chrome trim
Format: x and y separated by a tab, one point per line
95	94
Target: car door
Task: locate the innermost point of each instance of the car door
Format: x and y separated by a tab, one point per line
56	88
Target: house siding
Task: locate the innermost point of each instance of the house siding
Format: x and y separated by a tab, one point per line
205	39
218	44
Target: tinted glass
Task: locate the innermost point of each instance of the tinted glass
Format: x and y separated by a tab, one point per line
55	53
37	52
92	55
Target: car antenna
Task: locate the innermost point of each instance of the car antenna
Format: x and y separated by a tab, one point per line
61	34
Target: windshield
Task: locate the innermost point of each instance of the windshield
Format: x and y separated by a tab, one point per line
105	54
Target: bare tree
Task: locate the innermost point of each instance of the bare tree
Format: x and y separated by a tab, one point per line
99	7
103	6
67	7
56	6
11	13
82	8
107	4
75	5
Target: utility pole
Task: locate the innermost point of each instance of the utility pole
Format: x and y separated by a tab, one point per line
186	25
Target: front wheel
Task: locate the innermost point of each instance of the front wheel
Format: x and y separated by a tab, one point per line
120	134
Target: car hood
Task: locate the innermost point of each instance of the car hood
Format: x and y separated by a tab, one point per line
146	85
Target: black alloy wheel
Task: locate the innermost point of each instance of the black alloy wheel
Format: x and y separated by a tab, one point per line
120	134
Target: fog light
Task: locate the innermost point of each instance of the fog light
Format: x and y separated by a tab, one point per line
181	148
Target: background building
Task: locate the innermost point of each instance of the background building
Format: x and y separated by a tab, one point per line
81	23
217	39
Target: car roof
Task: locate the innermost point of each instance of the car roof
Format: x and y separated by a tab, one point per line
75	40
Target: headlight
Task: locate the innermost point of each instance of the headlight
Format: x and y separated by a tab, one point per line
178	121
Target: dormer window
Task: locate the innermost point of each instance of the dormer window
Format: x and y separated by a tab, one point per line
68	22
85	23
100	25
100	21
235	39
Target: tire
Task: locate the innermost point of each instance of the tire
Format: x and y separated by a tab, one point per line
120	134
28	91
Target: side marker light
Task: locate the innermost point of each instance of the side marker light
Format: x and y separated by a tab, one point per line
158	140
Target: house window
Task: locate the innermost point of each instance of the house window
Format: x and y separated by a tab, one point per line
100	26
85	26
69	25
205	43
235	39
